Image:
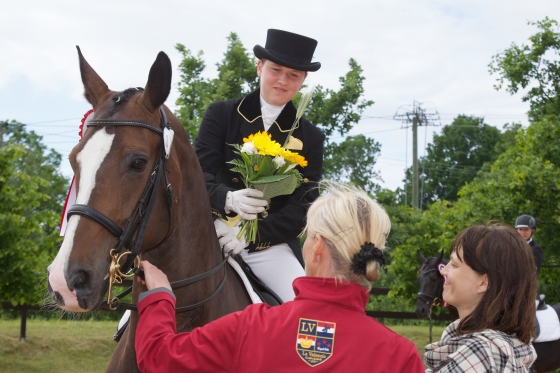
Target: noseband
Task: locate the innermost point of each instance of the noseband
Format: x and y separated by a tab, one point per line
132	235
431	300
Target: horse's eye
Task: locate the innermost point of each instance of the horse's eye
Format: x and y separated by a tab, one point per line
138	164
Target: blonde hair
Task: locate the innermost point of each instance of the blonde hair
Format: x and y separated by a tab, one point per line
346	217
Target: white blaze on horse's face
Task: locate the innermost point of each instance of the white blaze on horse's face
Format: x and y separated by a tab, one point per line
89	161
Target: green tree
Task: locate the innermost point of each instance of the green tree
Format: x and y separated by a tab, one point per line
525	179
31	191
457	154
338	111
237	76
353	160
533	67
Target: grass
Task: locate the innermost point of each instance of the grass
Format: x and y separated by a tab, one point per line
86	346
419	335
56	346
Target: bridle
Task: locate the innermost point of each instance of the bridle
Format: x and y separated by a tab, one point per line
431	300
132	235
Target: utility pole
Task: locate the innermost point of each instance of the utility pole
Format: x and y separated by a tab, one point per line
417	117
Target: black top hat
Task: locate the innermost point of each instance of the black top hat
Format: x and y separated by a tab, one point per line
288	49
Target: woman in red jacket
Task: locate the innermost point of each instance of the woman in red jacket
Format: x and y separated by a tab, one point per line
324	329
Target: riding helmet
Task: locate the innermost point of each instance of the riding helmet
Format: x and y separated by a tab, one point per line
525	221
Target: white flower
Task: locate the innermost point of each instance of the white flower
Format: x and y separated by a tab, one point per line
249	148
290	167
279	161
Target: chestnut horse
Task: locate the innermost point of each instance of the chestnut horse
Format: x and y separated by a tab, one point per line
137	196
430	281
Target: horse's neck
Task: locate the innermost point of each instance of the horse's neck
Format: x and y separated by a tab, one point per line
193	248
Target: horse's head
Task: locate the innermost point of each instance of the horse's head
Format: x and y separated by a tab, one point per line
430	283
113	164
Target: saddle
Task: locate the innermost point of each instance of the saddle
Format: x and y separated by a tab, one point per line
265	293
258	291
547	323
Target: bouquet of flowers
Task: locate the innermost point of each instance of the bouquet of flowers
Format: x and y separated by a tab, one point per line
269	167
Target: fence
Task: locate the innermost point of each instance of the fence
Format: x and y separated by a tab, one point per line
400	315
374	291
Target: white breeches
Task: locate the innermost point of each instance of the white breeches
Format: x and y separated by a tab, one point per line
277	267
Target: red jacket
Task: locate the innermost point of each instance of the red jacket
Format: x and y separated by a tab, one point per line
324	329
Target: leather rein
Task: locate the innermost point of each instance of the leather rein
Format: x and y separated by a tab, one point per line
132	235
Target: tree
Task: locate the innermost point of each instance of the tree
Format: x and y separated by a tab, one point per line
237	76
353	160
531	66
331	111
525	179
31	191
338	111
458	154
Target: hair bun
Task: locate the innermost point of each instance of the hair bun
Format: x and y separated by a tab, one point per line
367	253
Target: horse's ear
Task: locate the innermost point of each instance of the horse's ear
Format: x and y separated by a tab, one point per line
94	86
439	257
159	83
421	258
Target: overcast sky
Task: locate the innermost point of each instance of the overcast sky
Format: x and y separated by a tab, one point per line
435	52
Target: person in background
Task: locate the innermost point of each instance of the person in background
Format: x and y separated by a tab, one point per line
282	67
526	225
324	329
491	280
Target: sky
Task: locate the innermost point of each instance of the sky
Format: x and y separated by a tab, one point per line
435	52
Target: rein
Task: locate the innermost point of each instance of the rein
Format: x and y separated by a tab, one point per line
133	233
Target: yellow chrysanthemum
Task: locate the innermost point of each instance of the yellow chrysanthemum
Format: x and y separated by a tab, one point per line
294	158
264	144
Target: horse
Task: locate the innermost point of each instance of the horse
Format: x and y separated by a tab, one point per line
140	192
431	289
430	284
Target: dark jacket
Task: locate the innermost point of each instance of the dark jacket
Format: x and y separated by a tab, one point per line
538	254
228	122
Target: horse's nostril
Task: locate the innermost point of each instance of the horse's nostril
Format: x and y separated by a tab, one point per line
80	280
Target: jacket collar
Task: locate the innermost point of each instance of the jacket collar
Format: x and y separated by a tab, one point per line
249	110
329	290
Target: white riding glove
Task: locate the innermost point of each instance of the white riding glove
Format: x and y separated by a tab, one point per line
228	237
245	203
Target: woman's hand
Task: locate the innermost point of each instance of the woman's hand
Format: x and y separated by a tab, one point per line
155	278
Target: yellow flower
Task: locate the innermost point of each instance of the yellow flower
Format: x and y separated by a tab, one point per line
294	158
256	168
264	144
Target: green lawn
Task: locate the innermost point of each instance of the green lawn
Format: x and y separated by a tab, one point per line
56	346
86	346
420	335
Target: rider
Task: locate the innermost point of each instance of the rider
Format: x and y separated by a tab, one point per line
282	67
526	225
